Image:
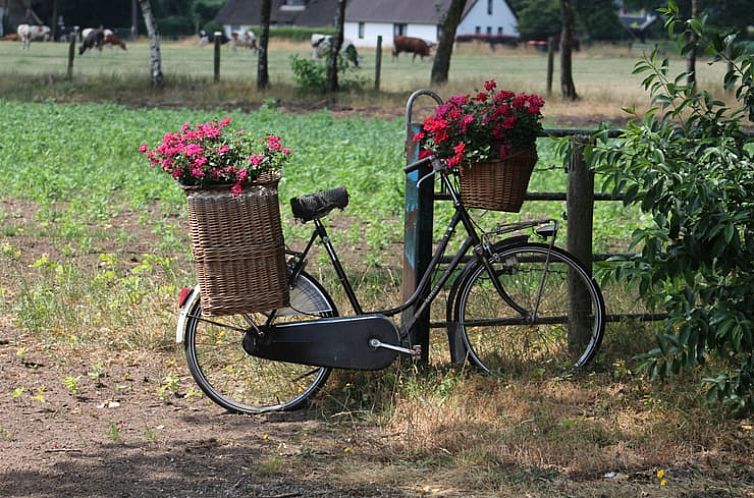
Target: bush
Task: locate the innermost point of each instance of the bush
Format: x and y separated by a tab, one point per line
311	75
687	166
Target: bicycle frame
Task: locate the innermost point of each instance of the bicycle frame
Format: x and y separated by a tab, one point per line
473	240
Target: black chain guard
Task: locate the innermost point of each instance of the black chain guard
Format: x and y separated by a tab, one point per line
341	342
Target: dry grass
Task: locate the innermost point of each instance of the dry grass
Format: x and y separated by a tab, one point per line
602	73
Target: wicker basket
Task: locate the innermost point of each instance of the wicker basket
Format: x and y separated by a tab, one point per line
238	247
498	185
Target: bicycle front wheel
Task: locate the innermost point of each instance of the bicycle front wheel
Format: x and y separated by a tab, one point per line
546	314
242	383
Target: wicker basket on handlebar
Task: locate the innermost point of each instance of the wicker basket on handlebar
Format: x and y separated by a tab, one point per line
238	247
498	185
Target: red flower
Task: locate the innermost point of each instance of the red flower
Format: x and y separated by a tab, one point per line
490	85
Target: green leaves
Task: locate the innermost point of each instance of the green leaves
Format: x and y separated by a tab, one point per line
686	164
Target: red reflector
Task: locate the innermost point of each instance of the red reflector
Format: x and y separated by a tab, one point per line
185	293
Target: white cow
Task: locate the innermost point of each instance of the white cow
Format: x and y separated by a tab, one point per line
321	45
27	33
243	39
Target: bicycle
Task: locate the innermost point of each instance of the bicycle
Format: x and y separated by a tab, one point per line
517	305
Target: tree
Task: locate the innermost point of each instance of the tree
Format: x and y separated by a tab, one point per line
567	88
441	64
539	20
154	43
692	38
263	77
335	43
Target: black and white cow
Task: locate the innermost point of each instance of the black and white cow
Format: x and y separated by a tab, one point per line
321	46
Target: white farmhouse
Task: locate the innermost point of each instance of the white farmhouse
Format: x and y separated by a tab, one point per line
368	19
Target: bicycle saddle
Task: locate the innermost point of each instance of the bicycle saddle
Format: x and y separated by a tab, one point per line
310	206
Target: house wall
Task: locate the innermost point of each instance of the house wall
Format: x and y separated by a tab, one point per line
372	30
501	17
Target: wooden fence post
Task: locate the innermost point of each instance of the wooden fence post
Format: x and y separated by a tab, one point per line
378	64
580	214
550	62
71	53
218	40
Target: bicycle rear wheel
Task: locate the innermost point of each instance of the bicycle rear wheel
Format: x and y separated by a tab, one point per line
242	383
550	315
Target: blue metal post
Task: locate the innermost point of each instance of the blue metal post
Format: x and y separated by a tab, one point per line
417	251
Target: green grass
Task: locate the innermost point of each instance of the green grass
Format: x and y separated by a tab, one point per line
602	74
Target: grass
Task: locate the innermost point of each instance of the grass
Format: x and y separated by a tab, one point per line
602	76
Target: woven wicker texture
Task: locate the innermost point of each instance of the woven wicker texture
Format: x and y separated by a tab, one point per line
238	248
498	185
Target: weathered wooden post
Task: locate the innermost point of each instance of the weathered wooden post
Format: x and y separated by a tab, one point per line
71	52
417	246
550	62
218	42
580	213
378	64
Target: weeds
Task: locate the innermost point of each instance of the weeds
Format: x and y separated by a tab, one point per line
72	385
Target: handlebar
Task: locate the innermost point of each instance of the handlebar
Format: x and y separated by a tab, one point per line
416	165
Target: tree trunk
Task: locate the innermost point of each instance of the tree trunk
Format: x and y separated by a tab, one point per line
335	44
263	77
567	88
441	64
691	56
154	43
54	26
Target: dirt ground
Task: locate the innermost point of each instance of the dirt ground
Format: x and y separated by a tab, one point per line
57	444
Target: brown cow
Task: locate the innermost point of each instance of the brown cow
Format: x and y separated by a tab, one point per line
410	45
113	40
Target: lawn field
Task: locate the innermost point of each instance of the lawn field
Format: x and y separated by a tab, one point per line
602	74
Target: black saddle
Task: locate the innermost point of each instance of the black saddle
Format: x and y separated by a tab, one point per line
311	206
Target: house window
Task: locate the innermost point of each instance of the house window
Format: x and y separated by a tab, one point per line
489	30
361	30
489	7
399	29
499	30
478	30
293	5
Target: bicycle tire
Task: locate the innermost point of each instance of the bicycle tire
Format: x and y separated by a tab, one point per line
242	383
501	333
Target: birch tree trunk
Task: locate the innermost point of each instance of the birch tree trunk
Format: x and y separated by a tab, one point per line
567	88
335	45
263	76
441	64
691	56
154	43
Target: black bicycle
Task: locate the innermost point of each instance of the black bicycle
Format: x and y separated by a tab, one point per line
518	305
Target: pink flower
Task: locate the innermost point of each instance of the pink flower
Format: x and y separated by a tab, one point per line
143	148
225	122
242	176
200	161
185	127
256	159
460	148
286	151
273	142
192	150
236	189
504	150
197	172
223	149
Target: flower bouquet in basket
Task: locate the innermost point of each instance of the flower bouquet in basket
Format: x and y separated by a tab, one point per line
230	179
491	139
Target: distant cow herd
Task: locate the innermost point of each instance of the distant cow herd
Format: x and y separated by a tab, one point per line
96	38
